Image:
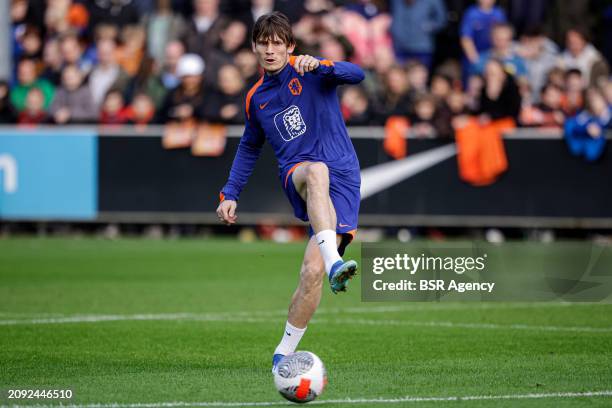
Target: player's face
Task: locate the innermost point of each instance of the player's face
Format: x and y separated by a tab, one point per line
272	53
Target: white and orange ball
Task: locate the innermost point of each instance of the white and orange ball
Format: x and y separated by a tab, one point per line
300	377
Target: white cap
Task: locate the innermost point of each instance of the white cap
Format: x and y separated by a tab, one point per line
190	64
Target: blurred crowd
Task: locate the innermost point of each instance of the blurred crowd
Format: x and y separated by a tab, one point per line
429	63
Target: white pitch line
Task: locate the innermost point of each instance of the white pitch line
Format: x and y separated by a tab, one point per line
174	404
411	307
493	326
228	318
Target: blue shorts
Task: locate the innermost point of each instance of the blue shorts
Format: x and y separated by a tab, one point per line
344	192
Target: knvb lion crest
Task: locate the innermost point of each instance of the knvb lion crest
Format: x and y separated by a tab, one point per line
290	123
295	87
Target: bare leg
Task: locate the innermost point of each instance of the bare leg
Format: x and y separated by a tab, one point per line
307	296
311	180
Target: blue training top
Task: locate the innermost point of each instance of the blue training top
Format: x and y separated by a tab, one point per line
301	119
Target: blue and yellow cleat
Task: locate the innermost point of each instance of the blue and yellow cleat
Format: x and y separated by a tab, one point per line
275	360
340	274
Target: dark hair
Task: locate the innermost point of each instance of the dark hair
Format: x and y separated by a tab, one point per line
581	31
573	71
271	25
533	30
550	85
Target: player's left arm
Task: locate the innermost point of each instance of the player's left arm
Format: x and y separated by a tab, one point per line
340	72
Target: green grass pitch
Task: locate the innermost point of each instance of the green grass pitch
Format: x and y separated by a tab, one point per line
195	321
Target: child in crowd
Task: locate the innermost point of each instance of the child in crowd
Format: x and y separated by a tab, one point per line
34	112
585	133
73	102
427	119
575	84
355	106
548	112
113	111
142	110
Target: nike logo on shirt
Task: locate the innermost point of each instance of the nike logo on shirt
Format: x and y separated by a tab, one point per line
263	105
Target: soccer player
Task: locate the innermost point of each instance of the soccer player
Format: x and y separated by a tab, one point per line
294	106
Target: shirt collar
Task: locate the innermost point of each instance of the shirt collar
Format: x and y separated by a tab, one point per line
281	76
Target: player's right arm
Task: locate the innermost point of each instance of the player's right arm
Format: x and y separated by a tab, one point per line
247	154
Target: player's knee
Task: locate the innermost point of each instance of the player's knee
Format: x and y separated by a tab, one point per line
317	173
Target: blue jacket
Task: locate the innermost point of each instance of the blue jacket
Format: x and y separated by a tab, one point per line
301	119
477	25
413	26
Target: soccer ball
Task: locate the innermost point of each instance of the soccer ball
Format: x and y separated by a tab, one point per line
300	377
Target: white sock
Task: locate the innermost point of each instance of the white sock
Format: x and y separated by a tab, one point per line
327	244
290	340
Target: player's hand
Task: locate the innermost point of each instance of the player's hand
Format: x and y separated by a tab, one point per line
227	212
305	63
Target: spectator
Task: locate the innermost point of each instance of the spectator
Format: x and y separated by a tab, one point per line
585	133
384	60
34	112
204	30
149	82
481	154
335	48
52	62
107	74
575	85
501	36
355	106
413	28
30	44
246	62
556	76
56	16
456	102
27	79
72	102
163	27
395	100
258	9
441	86
233	37
142	110
499	98
174	51
582	55
476	27
540	55
427	118
7	114
72	51
113	110
185	103
132	50
417	75
473	91
366	27
225	104
546	113
306	32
